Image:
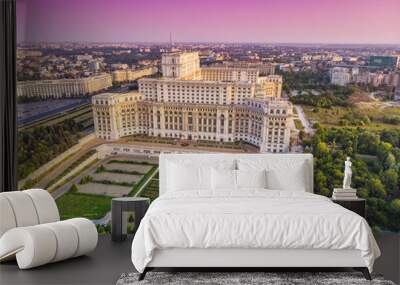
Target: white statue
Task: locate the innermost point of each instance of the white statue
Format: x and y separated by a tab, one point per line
347	174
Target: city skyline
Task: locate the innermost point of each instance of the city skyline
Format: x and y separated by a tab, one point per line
287	21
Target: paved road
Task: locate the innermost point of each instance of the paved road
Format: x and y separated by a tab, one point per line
104	220
22	120
306	123
65	188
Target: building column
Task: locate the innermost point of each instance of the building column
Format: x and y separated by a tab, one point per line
162	121
195	121
114	123
264	138
226	123
185	121
155	125
218	124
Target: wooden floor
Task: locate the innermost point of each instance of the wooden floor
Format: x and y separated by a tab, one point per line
110	260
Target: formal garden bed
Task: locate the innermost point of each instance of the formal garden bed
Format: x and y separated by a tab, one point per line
90	206
151	190
91	196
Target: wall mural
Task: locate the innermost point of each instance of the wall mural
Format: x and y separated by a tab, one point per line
95	110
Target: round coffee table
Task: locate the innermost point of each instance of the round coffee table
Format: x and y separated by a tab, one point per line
126	214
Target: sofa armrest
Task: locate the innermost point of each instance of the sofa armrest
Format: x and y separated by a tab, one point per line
40	244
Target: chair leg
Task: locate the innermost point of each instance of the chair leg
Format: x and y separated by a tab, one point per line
143	274
364	271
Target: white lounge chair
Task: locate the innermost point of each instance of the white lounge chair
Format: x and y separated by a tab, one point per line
31	231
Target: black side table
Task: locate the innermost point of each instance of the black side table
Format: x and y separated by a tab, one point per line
126	214
356	205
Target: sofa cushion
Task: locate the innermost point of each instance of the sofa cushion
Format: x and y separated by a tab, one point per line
45	205
23	208
41	244
7	220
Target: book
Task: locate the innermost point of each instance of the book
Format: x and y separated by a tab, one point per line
344	198
341	190
345	194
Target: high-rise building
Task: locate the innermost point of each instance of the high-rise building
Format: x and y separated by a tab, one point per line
384	61
193	103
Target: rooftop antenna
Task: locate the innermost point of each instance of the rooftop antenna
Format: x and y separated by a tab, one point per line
170	40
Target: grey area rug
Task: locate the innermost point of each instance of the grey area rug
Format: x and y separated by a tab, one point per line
244	278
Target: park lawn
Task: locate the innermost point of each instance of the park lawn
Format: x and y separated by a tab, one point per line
325	117
298	124
330	117
72	205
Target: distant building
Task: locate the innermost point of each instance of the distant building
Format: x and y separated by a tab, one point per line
116	66
336	58
224	105
392	79
397	93
132	75
84	57
263	68
22	53
121	52
340	76
376	79
61	88
384	61
94	66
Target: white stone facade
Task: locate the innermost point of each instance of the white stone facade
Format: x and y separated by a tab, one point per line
180	65
131	75
61	88
181	108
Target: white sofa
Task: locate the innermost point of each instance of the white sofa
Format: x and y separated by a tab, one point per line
31	231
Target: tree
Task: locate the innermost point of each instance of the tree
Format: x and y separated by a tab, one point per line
73	188
322	149
376	188
390	178
389	161
320	181
86	179
376	173
40	144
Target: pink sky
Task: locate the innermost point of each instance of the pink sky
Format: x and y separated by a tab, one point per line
272	21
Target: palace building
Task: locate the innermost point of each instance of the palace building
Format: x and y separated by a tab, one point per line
194	103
